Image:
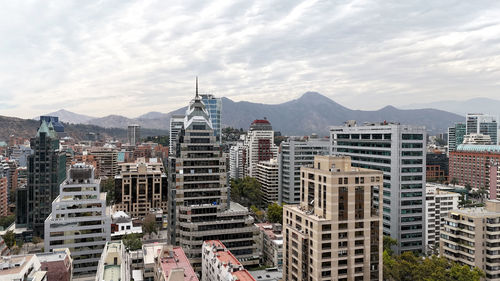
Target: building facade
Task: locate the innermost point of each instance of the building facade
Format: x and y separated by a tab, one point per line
437	167
46	170
400	152
176	123
260	144
456	135
199	203
133	134
270	244
336	231
237	161
470	236
295	153
58	265
106	160
220	264
479	123
267	175
141	186
79	220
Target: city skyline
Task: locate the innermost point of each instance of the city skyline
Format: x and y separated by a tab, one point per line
142	56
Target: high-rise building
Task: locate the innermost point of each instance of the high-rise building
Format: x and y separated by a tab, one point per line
79	220
4	209
176	123
438	203
260	144
456	136
295	153
237	161
199	206
46	170
214	109
437	168
400	152
140	186
479	123
134	134
267	175
220	264
470	236
336	231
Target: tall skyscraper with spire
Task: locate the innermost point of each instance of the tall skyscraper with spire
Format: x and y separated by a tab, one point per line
46	171
199	203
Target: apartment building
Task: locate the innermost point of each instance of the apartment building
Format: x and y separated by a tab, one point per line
220	264
106	160
267	175
399	151
336	230
140	187
471	236
270	244
260	144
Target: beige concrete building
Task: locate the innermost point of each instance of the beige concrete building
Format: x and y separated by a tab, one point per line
141	186
472	236
336	231
106	161
267	175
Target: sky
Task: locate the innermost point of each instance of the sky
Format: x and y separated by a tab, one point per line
132	57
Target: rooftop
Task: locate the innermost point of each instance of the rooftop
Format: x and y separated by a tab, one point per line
13	264
243	275
223	255
270	274
177	259
479	148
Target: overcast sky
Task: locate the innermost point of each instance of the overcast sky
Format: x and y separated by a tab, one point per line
132	57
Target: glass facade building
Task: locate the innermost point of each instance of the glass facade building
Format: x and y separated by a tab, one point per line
214	109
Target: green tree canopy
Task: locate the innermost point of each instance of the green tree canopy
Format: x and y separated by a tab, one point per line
132	241
275	213
388	243
149	224
7	220
246	191
10	238
108	186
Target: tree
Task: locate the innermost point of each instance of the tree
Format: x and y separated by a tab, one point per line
259	214
36	240
388	243
149	224
132	241
275	213
7	220
10	238
108	186
246	191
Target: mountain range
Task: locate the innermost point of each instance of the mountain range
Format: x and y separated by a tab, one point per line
475	105
311	113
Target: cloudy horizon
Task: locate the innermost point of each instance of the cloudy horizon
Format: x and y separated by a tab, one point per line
132	57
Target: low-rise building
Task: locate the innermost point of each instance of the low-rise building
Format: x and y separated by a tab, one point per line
218	263
113	265
58	264
122	224
471	236
22	268
270	244
173	265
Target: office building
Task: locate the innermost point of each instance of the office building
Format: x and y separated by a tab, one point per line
114	264
437	167
46	171
199	206
214	109
438	203
54	120
400	152
479	123
134	134
106	160
176	123
295	153
4	189
173	265
20	154
456	135
270	244
58	264
470	236
267	175
220	264
336	231
470	164
79	220
140	187
260	144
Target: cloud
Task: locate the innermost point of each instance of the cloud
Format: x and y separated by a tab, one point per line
132	57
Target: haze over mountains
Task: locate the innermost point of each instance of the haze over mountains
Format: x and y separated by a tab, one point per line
311	113
475	105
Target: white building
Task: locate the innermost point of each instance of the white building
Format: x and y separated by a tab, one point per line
477	139
21	268
121	224
295	153
79	220
114	264
218	263
237	160
438	203
400	152
270	244
176	123
260	143
267	175
479	123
